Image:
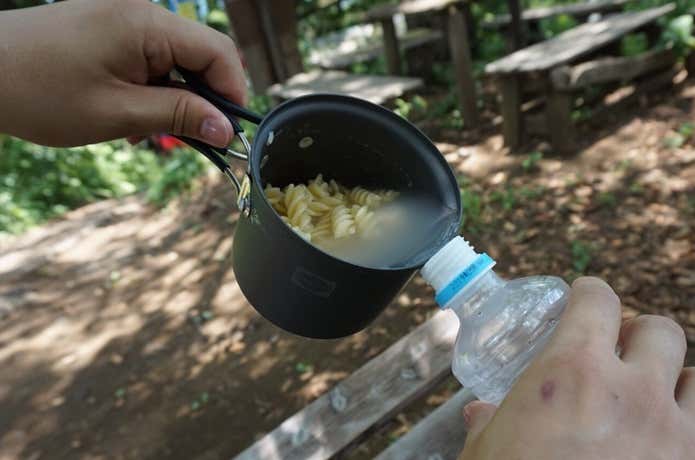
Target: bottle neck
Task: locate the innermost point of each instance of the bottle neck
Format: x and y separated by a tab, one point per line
467	302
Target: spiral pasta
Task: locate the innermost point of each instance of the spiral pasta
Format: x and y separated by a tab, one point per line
297	204
323	210
364	197
365	222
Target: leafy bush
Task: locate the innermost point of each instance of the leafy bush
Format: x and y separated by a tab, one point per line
37	183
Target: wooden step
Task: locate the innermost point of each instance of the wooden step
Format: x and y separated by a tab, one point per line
374	88
343	53
374	393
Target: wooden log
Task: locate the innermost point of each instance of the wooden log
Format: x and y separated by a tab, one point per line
558	111
372	394
391	47
610	69
441	435
510	107
463	67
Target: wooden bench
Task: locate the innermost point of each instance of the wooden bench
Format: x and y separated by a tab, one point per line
529	20
363	43
408	369
580	11
374	88
549	63
453	14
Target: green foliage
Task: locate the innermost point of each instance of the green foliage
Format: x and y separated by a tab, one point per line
530	163
634	44
581	255
471	216
37	183
372	67
556	25
687	130
607	199
527	193
678	34
259	103
506	198
411	109
175	176
218	20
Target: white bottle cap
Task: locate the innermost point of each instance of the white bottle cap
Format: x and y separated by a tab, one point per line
455	268
448	262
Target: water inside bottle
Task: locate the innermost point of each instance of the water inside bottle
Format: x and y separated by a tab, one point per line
410	228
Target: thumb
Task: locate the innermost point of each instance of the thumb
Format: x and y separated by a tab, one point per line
477	415
176	111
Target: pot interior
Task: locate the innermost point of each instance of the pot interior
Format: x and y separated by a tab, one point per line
358	143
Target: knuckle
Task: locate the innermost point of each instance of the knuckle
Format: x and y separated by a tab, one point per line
180	115
582	364
662	323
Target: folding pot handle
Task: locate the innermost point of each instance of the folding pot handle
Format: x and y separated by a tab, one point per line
220	156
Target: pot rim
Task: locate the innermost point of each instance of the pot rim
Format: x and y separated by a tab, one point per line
257	145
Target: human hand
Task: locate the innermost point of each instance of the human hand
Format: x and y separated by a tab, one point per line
76	72
579	400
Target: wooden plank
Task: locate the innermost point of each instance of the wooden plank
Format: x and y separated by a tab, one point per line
510	107
370	395
576	42
374	88
392	51
463	67
441	435
381	12
610	69
558	110
576	10
343	53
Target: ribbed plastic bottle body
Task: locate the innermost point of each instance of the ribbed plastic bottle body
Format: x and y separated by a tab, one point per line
503	325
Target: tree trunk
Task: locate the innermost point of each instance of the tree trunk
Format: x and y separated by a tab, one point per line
266	33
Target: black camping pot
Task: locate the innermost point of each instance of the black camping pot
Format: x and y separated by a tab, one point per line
289	281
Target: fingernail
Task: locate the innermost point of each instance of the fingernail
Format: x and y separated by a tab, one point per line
214	131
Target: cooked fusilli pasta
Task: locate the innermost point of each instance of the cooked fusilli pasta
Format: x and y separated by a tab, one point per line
323	210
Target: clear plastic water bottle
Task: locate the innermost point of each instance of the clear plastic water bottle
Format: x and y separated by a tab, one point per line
503	324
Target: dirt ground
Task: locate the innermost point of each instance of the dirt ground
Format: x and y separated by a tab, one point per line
124	335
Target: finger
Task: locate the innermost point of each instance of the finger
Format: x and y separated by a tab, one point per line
199	49
685	390
592	316
477	415
150	109
655	343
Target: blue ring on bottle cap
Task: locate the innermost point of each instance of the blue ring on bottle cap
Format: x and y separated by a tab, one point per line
475	270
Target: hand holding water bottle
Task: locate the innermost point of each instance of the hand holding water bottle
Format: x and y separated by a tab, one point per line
580	400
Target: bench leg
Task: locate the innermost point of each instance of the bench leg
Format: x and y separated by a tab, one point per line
391	49
690	64
559	119
463	67
510	89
